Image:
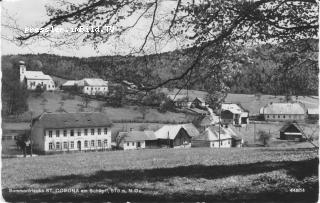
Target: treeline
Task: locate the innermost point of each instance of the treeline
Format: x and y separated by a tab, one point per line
280	70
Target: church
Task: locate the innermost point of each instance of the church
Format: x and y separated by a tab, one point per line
32	79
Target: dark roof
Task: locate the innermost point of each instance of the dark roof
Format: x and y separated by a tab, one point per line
139	136
287	125
72	120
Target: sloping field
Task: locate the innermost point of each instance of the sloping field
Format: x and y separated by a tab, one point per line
251	102
196	174
53	101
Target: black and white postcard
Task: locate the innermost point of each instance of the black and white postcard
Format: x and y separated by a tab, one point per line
159	100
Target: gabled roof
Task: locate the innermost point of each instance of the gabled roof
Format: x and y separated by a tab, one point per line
200	99
70	83
283	108
36	75
171	131
233	108
139	136
72	120
313	111
287	125
212	134
95	82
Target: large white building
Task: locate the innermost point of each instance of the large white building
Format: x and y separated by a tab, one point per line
284	112
89	86
57	132
32	79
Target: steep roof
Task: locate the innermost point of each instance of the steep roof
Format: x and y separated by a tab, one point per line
212	134
72	120
36	75
200	99
283	108
139	136
287	125
233	108
171	131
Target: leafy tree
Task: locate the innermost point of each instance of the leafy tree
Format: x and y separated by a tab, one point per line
214	30
14	94
39	90
264	137
85	100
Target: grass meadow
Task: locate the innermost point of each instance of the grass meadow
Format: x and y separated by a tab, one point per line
196	174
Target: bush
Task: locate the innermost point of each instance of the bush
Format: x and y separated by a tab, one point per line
264	138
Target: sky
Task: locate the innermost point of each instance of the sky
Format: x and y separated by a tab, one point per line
32	13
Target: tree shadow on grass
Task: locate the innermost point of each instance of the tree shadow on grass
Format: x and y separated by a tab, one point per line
297	169
125	178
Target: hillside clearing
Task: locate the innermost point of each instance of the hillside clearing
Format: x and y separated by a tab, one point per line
181	174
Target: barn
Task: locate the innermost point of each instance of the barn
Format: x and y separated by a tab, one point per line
291	131
176	136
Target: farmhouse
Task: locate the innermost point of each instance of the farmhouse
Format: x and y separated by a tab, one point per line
313	114
180	100
234	114
138	140
89	86
217	137
291	131
32	79
283	112
57	132
198	103
176	136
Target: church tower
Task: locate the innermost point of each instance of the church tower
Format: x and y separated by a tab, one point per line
23	69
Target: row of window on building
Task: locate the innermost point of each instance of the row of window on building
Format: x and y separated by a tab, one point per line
34	84
221	143
97	88
72	132
71	144
283	116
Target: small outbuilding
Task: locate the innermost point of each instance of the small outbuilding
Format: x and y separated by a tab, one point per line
292	131
138	140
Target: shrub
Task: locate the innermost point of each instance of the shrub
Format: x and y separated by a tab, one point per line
264	138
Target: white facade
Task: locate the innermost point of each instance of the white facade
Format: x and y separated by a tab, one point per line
223	143
32	79
76	139
94	90
89	86
134	145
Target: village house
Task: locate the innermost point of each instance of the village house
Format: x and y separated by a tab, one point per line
138	140
180	101
186	101
313	114
176	136
234	114
284	112
217	137
60	132
89	86
33	79
291	131
198	103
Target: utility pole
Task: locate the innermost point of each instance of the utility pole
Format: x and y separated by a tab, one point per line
219	126
254	131
31	136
